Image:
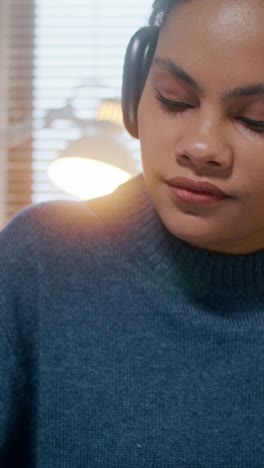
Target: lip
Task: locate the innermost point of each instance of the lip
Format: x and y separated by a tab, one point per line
200	187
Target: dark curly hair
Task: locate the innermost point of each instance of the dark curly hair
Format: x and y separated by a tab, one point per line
161	10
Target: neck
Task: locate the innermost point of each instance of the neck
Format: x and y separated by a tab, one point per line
134	219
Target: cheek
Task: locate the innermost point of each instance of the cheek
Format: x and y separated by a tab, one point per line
152	119
147	116
249	170
156	132
251	157
149	135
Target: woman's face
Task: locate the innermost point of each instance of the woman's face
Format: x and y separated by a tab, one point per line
201	117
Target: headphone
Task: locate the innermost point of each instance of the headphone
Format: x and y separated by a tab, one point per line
138	59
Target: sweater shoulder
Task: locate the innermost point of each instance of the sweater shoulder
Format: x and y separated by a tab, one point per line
39	222
41	230
34	236
63	226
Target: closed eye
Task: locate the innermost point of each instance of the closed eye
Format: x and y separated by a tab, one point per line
254	125
172	106
178	107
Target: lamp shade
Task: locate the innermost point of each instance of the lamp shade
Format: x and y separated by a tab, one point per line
94	165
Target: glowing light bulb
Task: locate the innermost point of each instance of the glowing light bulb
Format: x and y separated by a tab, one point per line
86	178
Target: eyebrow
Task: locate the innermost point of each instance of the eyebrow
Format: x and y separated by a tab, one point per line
252	90
177	72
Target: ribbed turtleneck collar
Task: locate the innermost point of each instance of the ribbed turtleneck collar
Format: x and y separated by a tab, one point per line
197	269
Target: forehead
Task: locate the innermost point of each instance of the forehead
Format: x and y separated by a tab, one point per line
226	35
222	13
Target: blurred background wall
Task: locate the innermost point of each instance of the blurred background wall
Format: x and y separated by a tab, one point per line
60	118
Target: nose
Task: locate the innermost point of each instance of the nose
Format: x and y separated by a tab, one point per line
204	148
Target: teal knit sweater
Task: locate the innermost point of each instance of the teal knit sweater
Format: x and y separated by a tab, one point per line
122	346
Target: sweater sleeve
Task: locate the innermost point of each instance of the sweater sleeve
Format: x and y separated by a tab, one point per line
27	242
17	330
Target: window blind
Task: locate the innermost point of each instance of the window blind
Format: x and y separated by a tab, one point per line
3	112
16	89
79	53
62	58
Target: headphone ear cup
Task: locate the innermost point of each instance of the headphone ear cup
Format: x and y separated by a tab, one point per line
138	59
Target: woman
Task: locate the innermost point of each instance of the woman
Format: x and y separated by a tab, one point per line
132	326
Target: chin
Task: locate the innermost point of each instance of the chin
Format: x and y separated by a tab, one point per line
200	241
201	233
205	230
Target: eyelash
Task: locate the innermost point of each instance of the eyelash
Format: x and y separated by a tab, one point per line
172	106
178	107
256	126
